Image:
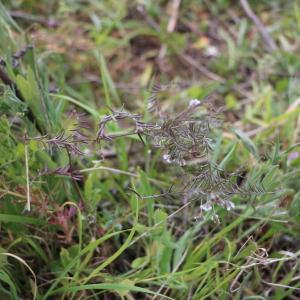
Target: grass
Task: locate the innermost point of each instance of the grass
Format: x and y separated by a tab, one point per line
104	198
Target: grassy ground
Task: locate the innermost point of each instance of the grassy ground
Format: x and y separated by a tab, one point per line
190	201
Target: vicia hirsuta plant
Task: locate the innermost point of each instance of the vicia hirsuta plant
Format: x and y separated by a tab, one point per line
185	140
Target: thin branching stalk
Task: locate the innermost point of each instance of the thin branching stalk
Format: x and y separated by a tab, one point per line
27	207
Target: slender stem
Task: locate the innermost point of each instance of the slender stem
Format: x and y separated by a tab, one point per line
117	171
269	43
12	193
27	178
74	181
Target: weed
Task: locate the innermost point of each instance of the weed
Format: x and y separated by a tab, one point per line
149	195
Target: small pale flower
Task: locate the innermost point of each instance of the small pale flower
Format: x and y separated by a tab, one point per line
167	158
293	155
182	162
194	103
212	51
206	206
229	205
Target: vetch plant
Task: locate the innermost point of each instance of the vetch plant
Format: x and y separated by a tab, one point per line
175	202
185	140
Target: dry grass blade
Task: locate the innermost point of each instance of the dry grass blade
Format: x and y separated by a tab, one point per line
269	43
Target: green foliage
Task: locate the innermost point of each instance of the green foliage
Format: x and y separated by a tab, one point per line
183	201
